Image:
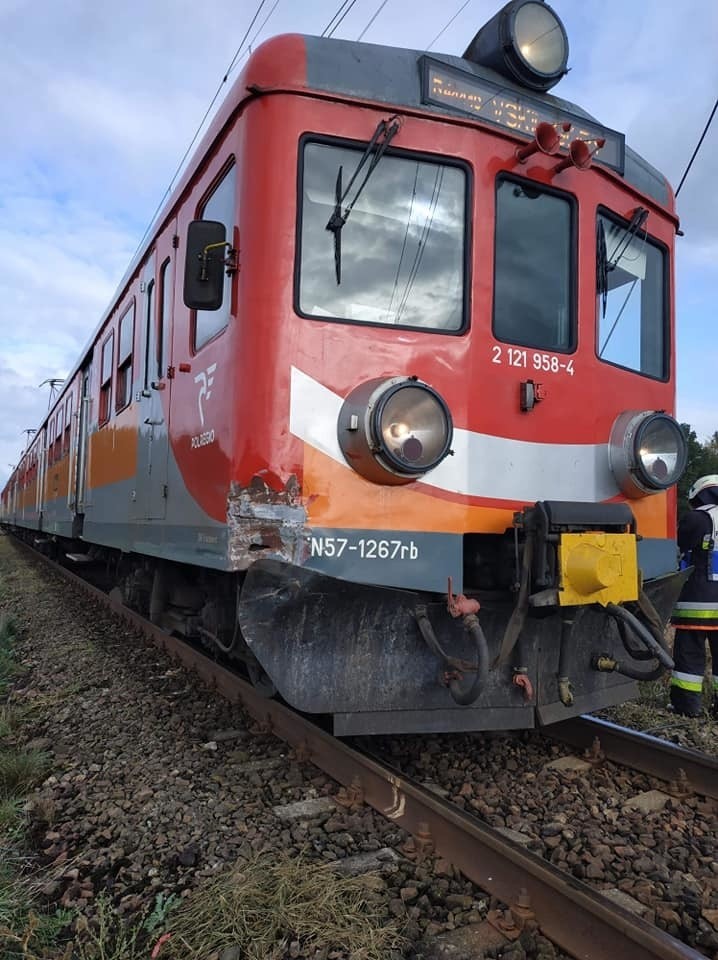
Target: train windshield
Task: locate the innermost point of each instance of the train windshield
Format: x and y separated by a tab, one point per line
533	287
631	301
403	249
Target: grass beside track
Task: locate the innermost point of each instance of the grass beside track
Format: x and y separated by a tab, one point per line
24	930
260	908
650	713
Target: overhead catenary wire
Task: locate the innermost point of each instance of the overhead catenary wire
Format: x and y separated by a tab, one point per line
180	165
373	18
698	146
257	32
341	12
448	24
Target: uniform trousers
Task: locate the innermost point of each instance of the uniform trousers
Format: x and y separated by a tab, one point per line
689	656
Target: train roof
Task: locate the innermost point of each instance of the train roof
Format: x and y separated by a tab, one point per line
361	71
369	71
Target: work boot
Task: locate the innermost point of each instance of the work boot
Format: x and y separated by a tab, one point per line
686	703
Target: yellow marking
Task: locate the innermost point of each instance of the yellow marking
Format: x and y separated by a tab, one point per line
597	568
398	801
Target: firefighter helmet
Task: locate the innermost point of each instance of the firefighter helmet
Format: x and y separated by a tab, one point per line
703	483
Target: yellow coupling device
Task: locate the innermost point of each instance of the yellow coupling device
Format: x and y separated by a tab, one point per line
597	568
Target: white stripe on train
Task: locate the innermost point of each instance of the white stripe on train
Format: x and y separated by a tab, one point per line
497	468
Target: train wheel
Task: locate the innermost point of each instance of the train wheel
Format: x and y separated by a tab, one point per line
261	681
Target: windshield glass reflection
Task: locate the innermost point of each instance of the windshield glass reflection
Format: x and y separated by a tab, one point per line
402	249
631	310
532	280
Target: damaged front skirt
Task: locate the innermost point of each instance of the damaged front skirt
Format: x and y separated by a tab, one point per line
360	653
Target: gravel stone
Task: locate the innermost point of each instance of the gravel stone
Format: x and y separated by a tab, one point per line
136	805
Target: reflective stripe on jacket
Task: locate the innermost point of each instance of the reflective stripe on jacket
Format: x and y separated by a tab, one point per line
695	615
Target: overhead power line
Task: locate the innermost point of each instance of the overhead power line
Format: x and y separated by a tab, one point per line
201	124
376	14
698	146
446	27
342	10
253	40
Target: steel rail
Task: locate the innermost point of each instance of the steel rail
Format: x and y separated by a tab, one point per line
640	751
568	912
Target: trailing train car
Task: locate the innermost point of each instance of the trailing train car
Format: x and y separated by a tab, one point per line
384	407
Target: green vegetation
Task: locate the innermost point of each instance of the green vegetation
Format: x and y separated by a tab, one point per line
260	910
25	932
702	460
20	771
7	665
109	937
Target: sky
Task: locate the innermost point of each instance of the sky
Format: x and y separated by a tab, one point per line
101	100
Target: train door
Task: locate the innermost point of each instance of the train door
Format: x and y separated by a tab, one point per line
40	480
78	484
153	451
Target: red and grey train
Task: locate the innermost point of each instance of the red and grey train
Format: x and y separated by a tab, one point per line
383	409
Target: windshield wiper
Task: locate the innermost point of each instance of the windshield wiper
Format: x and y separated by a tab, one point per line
603	264
383	135
640	215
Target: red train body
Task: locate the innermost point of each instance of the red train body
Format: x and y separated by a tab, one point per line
262	476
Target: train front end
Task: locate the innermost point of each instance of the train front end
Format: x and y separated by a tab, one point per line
475	359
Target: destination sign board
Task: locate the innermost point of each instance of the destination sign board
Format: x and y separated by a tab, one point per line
447	86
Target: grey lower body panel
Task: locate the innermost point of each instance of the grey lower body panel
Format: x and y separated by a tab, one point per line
354	651
455	720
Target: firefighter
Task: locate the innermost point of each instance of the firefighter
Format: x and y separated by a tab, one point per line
696	614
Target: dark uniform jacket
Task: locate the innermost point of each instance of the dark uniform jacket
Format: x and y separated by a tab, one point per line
696	544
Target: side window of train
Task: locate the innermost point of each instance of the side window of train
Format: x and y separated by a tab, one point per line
124	357
58	436
106	379
631	299
163	316
219	206
149	373
68	424
534	267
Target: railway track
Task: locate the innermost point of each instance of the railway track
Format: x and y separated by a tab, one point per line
684	771
579	920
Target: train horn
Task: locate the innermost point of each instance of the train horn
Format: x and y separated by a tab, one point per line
579	155
546	140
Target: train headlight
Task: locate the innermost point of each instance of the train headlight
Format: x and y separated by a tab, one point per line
526	42
647	452
394	431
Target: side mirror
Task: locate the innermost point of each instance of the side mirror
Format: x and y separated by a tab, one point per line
204	265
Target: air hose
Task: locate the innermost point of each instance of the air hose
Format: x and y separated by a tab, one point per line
651	638
455	667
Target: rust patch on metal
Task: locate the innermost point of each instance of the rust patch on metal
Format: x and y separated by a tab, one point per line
594	754
681	787
265	520
351	797
420	845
